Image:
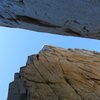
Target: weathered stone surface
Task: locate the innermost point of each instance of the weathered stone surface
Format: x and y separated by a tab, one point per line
58	74
65	17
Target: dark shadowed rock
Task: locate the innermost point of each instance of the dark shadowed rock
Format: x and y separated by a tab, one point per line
65	17
58	74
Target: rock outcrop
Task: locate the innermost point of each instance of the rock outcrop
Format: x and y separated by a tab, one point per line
65	17
58	74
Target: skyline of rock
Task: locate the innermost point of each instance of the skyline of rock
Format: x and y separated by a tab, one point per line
58	74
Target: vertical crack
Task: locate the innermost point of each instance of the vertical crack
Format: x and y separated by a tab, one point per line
68	82
44	79
61	66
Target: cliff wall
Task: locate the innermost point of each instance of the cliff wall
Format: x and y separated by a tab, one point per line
58	74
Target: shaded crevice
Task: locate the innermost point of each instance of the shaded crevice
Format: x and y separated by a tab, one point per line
68	82
94	79
72	31
85	29
71	21
1	16
68	59
50	71
75	21
88	77
54	92
24	96
13	20
87	71
35	21
48	62
21	1
37	56
61	66
46	82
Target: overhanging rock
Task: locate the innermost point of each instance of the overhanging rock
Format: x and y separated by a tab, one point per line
65	17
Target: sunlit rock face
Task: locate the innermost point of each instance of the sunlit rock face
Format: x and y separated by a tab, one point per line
65	17
58	74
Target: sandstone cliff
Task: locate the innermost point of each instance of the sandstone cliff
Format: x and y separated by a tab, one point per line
58	74
65	17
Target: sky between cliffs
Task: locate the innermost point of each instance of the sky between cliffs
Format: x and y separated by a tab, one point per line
17	44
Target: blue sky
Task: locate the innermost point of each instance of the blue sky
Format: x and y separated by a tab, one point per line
17	44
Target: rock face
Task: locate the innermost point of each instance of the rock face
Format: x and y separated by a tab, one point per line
65	17
58	74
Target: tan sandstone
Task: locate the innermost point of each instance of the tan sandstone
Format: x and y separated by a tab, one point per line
58	74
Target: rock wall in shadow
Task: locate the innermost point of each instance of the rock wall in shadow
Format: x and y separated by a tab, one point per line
79	18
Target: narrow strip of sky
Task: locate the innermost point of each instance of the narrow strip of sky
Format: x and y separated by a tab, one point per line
17	44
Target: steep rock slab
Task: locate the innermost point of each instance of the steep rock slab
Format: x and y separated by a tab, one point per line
65	17
58	74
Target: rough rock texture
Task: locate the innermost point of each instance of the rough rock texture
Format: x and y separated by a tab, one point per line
65	17
58	74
